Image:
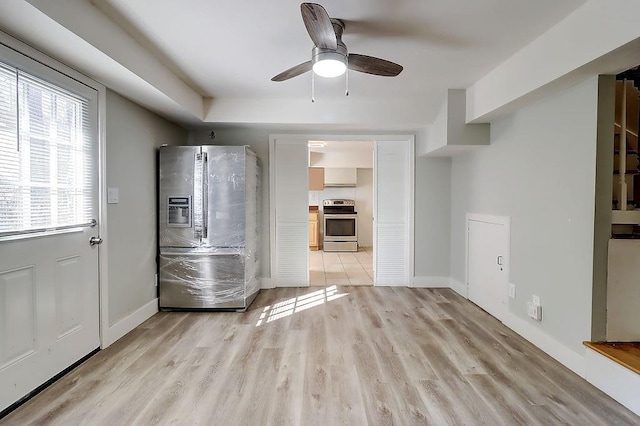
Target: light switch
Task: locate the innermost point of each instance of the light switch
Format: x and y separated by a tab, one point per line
113	196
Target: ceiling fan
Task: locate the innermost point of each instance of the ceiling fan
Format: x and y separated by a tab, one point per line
330	57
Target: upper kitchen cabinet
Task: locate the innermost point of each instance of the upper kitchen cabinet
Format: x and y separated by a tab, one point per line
316	178
340	176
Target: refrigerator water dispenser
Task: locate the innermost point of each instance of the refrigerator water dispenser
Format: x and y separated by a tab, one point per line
179	212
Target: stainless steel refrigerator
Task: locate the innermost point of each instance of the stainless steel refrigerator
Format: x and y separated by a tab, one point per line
208	236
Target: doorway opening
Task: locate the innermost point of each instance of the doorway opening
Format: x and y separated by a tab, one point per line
341	209
617	334
393	202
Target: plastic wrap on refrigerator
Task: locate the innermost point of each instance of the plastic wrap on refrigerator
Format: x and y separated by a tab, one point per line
208	234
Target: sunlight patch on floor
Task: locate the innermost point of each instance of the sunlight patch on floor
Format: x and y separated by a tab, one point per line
294	305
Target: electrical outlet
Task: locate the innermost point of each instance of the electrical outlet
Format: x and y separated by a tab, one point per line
534	311
536	301
512	290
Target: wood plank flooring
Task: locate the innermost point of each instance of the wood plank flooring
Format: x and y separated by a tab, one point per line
325	356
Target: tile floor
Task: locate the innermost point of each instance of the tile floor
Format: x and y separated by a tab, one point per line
341	268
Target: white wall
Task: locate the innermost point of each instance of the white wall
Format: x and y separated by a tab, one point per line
543	67
540	170
133	135
431	186
356	159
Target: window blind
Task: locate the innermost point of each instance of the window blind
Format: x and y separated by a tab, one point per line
46	165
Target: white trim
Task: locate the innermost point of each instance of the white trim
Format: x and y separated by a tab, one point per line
272	212
487	218
297	138
534	334
431	282
617	381
613	379
459	288
103	249
412	191
505	221
130	322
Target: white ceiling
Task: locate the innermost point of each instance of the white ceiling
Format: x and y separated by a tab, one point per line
231	49
211	61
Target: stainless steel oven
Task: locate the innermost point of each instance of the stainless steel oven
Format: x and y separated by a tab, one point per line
340	225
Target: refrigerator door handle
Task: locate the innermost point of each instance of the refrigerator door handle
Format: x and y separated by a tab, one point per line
205	195
198	207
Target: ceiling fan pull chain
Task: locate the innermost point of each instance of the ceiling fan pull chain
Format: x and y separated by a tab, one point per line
313	87
346	93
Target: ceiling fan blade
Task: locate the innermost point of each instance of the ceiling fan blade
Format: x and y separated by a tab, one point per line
375	66
319	26
293	71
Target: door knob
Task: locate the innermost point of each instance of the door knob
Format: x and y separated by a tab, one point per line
95	240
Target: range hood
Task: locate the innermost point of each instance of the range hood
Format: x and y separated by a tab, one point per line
340	177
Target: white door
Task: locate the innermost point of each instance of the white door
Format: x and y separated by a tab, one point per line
290	197
49	311
487	265
393	215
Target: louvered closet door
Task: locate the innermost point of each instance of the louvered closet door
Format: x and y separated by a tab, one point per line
393	192
292	214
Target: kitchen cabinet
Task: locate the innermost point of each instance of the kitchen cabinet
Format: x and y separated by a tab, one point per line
340	177
316	178
314	231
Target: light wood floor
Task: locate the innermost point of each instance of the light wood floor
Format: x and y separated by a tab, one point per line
346	355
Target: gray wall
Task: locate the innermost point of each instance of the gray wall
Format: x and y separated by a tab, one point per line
540	171
432	199
132	137
432	217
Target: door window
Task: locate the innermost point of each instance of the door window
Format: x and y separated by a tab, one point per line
46	164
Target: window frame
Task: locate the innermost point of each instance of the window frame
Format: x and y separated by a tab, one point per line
62	79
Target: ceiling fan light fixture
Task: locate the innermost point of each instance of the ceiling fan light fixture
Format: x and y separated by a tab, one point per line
329	64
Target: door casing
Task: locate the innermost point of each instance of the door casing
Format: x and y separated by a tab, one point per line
505	223
303	139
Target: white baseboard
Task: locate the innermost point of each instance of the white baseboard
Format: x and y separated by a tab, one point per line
267	283
574	361
618	382
459	288
127	324
431	282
